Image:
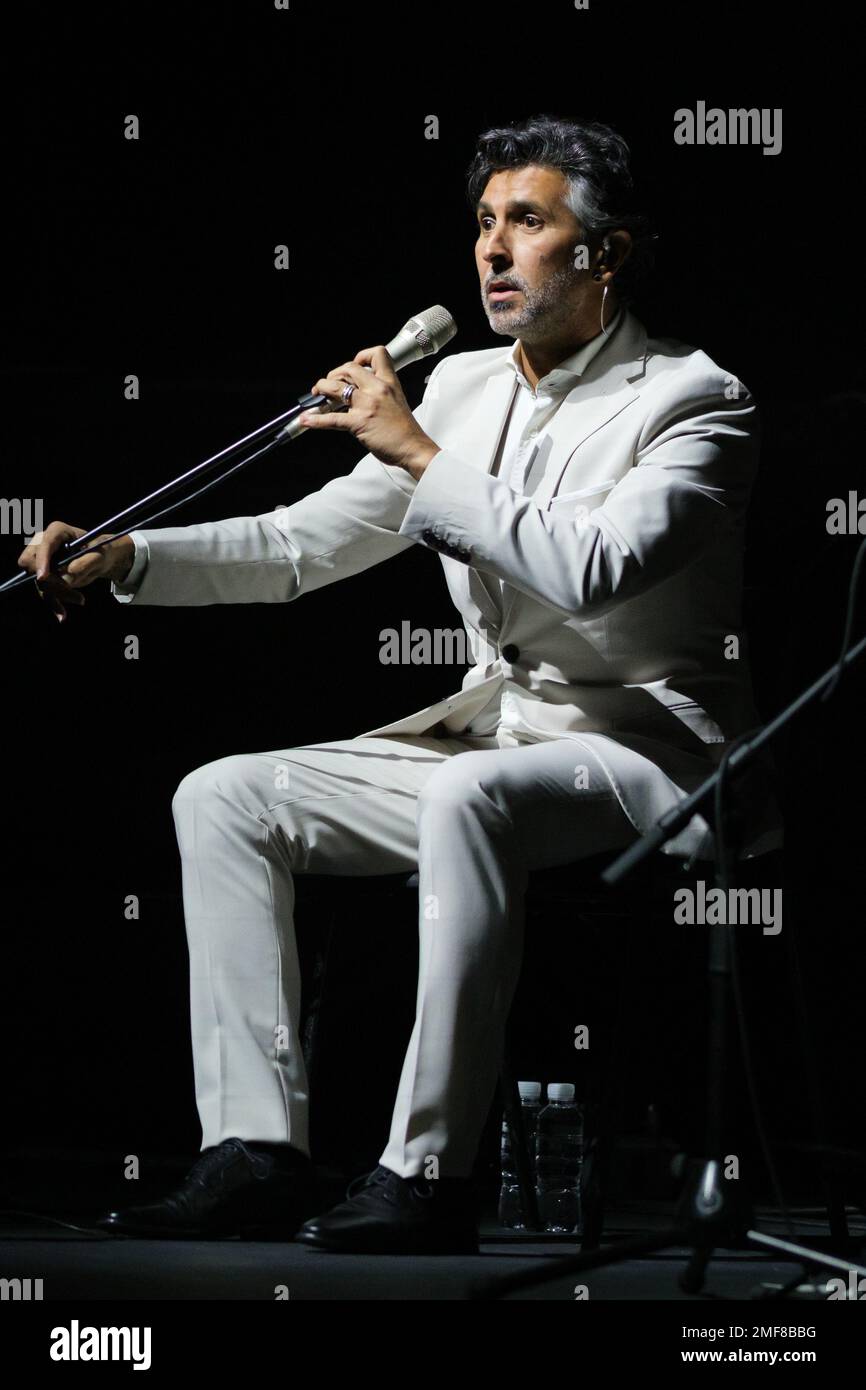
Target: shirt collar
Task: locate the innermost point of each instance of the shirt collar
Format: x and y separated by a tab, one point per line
574	366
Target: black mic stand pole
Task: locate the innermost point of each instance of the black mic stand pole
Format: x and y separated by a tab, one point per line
280	428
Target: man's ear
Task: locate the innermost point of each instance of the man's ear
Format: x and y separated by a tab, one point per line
620	248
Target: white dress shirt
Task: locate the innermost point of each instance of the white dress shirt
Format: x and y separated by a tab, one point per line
532	411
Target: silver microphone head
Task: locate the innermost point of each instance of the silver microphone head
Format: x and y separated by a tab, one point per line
421	336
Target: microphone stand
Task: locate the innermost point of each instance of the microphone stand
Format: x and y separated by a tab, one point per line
281	432
711	1210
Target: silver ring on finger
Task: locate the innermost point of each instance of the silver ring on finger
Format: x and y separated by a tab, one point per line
346	393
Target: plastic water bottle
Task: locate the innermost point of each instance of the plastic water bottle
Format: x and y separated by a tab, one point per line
559	1159
511	1212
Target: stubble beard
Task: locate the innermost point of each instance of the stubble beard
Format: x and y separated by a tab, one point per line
545	309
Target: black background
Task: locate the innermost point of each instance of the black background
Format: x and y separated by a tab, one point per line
261	127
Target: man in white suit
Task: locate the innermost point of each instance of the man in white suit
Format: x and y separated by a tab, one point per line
585	488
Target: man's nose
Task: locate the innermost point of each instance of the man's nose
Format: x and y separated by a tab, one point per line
497	248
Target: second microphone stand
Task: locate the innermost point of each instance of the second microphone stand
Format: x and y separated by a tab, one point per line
713	1210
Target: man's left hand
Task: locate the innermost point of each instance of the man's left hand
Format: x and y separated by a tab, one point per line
378	416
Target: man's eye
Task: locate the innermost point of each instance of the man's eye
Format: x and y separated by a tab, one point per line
484	220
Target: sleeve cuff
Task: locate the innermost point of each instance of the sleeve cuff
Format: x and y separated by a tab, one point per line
433	493
125	592
450	508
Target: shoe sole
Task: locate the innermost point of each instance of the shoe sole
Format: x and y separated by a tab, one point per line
281	1233
278	1228
259	1231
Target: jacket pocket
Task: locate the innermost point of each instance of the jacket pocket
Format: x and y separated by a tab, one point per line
582	496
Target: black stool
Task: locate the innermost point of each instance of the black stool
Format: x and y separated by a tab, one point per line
645	898
577	888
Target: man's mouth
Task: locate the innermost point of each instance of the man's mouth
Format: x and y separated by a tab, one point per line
498	290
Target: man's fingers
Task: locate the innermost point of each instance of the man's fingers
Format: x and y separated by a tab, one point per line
36	557
84	570
333	420
377	362
334	384
379	358
54	588
43	559
89	567
59	609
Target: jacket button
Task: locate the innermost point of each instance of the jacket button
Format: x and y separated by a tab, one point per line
510	652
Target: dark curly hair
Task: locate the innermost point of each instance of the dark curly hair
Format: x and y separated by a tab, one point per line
595	160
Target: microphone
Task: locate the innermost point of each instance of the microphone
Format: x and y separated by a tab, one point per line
421	336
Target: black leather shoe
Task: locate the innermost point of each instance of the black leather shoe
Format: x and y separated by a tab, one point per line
232	1189
390	1215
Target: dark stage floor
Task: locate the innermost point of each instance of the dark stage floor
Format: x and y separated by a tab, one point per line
44	1235
76	1267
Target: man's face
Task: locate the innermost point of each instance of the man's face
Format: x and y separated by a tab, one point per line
527	236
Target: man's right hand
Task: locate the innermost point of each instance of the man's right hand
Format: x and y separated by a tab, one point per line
112	561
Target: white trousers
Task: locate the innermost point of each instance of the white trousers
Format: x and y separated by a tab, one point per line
472	816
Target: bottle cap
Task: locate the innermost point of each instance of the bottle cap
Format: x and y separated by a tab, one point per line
560	1090
529	1090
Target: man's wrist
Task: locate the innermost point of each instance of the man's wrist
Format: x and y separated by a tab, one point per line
122	555
420	457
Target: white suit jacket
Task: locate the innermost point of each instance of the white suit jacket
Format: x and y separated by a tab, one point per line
617	620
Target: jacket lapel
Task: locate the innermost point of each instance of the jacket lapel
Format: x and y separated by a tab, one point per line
580	415
478	440
601	393
478	443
